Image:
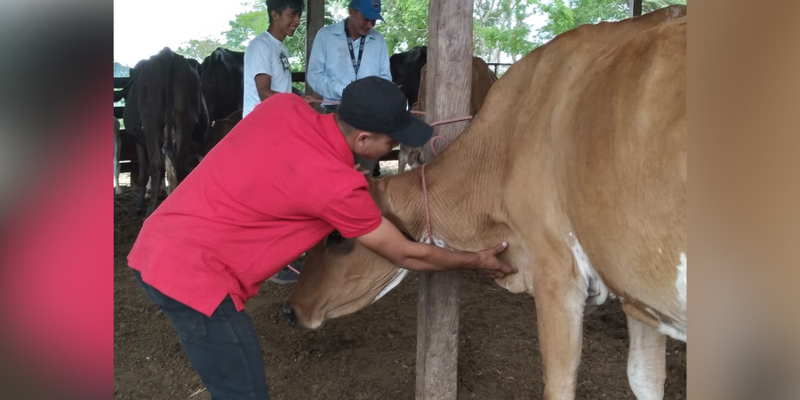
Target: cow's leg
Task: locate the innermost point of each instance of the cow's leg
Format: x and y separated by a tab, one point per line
157	179
117	145
646	361
141	151
172	175
156	169
560	299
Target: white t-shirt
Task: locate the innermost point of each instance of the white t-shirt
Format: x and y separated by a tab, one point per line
265	55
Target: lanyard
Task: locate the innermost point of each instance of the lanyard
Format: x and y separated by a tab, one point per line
356	65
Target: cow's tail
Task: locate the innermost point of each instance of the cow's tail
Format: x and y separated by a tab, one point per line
169	107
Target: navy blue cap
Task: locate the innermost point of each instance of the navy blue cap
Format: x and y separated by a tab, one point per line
370	9
377	105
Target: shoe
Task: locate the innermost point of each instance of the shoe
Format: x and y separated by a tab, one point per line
287	276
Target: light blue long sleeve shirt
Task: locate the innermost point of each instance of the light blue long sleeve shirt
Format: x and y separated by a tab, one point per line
330	67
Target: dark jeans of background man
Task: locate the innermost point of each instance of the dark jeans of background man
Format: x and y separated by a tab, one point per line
365	164
223	349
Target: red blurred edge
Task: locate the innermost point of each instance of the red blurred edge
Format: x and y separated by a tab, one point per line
56	265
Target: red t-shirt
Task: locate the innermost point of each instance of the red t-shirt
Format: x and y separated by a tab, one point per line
276	185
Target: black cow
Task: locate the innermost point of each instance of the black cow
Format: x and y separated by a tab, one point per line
167	103
406	71
223	82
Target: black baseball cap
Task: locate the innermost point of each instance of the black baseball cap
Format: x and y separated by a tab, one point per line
377	105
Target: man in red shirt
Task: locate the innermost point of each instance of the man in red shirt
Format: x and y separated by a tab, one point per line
276	185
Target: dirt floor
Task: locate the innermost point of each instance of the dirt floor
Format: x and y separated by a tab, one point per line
370	354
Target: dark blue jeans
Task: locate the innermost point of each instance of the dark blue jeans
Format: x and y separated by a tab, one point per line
223	349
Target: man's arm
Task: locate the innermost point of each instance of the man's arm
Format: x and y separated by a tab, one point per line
389	243
263	83
315	76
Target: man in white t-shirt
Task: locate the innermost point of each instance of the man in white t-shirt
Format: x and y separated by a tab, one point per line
266	61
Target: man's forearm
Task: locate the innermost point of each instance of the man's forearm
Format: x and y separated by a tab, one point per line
264	93
432	258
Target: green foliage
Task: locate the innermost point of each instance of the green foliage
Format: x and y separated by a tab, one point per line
250	24
121	70
199	49
499	26
406	24
566	15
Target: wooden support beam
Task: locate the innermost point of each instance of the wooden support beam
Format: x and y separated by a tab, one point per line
635	8
449	82
315	20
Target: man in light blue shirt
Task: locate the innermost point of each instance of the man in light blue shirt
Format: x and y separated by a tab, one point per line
348	50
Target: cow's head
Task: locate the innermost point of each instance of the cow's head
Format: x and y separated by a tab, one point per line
340	277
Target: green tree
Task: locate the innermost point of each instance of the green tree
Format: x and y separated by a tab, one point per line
499	27
248	25
566	15
199	49
121	70
405	25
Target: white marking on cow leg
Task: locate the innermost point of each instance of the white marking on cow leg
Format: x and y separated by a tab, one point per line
646	361
677	330
171	176
398	277
117	146
596	290
680	282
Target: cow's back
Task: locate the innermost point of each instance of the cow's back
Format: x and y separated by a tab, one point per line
223	82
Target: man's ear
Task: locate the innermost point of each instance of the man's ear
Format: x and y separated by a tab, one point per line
362	137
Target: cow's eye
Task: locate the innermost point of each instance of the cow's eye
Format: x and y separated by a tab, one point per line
335	238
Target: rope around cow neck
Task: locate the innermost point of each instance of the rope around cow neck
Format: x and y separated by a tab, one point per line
422	172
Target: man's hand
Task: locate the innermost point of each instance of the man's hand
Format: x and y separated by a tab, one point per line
310	99
490	265
389	243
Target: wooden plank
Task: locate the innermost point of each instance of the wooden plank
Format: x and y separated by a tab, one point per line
298	76
635	8
448	96
120	82
315	20
127	150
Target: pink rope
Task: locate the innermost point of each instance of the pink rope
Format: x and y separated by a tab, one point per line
292	268
422	172
422	169
336	103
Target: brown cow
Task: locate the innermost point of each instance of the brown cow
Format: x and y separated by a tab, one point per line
482	80
578	161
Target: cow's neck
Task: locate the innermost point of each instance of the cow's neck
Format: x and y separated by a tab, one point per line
463	185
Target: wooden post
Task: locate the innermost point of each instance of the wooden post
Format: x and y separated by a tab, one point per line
448	85
635	8
315	19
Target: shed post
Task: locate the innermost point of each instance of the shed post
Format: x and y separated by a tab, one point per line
449	81
315	20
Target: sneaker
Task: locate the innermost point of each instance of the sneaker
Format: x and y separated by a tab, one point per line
286	275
